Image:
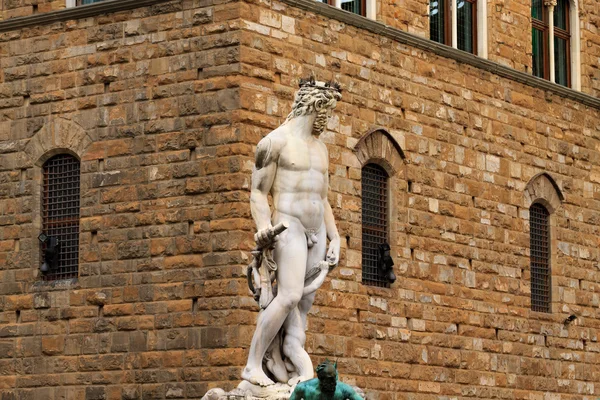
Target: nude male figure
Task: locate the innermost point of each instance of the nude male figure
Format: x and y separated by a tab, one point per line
292	165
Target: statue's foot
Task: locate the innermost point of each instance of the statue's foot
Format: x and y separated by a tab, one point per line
296	380
256	376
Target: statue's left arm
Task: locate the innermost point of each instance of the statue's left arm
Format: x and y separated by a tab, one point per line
333	254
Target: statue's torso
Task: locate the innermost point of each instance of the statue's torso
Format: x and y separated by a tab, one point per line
300	183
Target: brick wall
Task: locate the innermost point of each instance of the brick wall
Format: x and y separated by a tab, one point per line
457	322
164	218
21	8
509	29
164	105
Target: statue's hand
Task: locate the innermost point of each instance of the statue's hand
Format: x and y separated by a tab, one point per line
264	239
333	254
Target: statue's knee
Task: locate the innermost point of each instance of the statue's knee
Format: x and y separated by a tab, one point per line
290	300
291	346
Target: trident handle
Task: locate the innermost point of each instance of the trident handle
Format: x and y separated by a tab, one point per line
276	230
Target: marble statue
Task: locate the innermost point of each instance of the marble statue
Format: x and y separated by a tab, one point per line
293	256
325	387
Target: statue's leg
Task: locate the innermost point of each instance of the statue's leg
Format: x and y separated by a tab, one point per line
275	364
295	338
290	255
293	347
315	254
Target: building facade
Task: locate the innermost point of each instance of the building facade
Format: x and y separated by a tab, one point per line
127	137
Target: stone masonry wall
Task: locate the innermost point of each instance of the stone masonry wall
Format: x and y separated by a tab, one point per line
164	216
509	29
165	104
21	8
457	323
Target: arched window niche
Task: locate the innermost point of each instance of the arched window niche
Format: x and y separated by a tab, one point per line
56	150
543	198
382	196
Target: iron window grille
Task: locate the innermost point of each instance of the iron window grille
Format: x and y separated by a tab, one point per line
374	222
540	258
60	213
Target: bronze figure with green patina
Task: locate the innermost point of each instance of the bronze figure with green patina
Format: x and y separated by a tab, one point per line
325	386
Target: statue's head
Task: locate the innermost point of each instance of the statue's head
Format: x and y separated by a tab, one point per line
318	98
327	374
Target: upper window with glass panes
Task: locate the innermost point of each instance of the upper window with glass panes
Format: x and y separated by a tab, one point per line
440	23
74	3
542	56
354	6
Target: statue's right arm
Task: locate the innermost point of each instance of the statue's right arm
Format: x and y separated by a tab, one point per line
263	176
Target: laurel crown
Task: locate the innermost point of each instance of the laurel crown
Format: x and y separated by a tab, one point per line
311	82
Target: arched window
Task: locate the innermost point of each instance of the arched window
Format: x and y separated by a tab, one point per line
374	223
60	217
541	285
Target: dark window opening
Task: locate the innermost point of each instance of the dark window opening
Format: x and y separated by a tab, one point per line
539	39
562	39
355	6
466	11
60	213
541	288
439	12
374	223
84	2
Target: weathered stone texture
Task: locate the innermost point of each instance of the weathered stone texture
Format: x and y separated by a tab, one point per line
146	99
164	105
457	321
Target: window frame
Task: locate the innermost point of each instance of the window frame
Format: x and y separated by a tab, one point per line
558	33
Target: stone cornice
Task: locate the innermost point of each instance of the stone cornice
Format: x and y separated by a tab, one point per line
442	50
409	39
79	12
